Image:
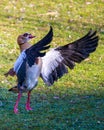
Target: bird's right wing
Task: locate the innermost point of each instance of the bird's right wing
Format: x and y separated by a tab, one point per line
56	61
35	50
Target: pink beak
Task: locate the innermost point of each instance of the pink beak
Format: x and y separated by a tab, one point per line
31	36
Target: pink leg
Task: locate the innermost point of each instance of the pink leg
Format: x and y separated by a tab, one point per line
17	101
28	108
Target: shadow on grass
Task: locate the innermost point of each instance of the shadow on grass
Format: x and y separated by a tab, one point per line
53	110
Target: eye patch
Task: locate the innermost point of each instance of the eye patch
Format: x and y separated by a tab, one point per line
25	34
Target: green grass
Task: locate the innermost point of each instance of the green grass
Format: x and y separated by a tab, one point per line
76	101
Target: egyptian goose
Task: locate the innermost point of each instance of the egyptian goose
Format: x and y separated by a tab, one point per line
52	65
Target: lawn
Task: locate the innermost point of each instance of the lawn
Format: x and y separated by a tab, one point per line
76	101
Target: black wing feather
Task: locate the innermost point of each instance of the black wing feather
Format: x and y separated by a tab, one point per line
34	51
79	50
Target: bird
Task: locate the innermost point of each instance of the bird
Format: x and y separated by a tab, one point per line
28	65
33	63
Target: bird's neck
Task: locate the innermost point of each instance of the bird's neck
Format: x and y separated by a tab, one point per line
24	46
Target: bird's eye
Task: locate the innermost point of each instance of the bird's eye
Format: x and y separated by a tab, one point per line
25	34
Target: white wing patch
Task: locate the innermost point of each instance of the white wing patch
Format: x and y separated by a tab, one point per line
19	61
50	61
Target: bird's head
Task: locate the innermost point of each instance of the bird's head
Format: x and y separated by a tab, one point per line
24	38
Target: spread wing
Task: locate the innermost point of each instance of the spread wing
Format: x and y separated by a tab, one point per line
43	44
57	61
29	56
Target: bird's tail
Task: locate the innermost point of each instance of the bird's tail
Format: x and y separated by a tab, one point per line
14	89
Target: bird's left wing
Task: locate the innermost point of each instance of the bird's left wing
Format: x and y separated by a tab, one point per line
20	67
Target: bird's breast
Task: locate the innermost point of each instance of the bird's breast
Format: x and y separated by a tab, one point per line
32	74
